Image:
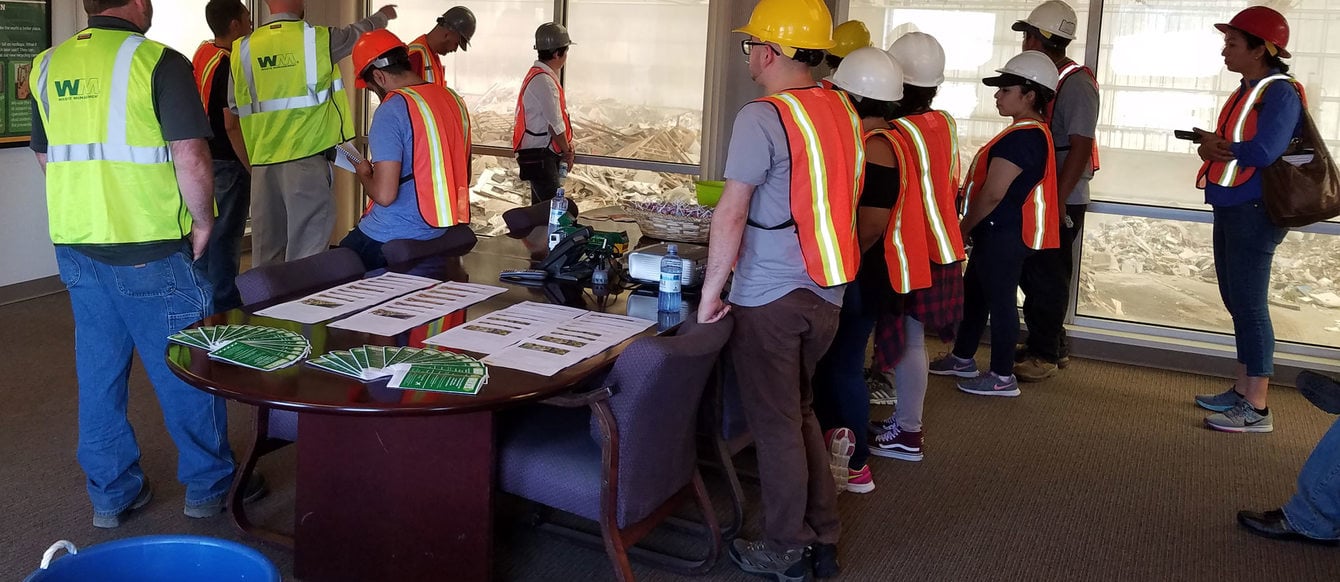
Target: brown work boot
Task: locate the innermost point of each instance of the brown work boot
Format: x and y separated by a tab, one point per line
1034	370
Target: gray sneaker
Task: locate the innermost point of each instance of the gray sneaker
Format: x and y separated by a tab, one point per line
881	391
990	384
255	489
1241	418
951	365
114	521
1220	402
758	558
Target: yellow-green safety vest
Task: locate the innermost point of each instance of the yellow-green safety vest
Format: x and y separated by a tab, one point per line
110	177
290	97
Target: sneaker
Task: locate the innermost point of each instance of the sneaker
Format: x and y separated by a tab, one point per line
881	391
1220	402
841	446
860	480
1035	370
896	443
825	560
255	490
990	384
1021	354
878	427
951	365
114	521
1320	390
1241	418
759	558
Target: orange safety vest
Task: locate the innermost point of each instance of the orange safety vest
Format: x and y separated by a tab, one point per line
827	172
905	250
825	83
1237	123
206	62
1042	223
932	140
519	129
1066	72
425	62
441	172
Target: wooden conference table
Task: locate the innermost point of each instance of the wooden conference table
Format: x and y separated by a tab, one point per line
398	484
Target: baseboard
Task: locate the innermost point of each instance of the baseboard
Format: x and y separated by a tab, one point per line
30	290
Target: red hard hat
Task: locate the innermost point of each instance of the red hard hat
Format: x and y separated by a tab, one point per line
369	48
1263	23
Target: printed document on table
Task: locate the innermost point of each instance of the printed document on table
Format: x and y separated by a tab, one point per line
568	343
348	298
407	312
504	327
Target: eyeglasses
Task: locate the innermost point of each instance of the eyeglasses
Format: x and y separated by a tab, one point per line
746	46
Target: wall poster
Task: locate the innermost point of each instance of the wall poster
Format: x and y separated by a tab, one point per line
25	30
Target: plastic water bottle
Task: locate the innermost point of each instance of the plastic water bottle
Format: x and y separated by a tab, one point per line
558	206
672	273
563	170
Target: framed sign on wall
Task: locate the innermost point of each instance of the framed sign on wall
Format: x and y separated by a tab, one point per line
25	30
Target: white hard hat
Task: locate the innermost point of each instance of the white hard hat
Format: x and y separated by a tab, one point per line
921	57
871	73
1052	18
1026	66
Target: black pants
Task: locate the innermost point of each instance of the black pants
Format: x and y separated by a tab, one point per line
989	285
540	168
1046	285
368	249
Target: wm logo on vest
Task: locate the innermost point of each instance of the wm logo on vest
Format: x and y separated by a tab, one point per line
280	61
67	89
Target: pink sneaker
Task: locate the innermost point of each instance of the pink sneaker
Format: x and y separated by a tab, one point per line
841	446
860	481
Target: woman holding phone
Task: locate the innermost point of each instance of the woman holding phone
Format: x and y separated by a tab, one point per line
1255	127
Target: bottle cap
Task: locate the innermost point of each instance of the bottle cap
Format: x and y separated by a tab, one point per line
672	248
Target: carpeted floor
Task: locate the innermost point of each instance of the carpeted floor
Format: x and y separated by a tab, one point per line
1102	474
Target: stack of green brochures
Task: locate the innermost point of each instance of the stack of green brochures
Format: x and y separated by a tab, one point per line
408	368
252	346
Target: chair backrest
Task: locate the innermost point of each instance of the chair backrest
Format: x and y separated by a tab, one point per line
520	221
319	271
659	383
456	241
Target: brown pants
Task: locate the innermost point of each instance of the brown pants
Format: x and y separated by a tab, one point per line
775	349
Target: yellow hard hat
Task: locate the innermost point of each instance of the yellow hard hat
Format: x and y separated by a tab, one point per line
792	24
849	36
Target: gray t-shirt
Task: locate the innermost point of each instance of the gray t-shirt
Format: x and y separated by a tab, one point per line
771	264
1076	113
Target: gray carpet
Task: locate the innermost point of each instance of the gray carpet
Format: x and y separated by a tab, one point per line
1102	474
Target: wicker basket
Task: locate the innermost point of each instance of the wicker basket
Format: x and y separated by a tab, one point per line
671	227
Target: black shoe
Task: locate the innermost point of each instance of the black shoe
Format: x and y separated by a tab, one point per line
1272	524
1321	391
825	560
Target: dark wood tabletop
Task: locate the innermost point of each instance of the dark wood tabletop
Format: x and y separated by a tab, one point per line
303	388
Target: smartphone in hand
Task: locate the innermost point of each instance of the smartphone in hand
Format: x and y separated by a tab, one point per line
1190	136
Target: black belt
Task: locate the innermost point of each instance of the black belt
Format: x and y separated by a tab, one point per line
789	223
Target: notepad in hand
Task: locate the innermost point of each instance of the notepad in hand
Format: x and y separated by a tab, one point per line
1299	159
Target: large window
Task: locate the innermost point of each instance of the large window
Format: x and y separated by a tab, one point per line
181	25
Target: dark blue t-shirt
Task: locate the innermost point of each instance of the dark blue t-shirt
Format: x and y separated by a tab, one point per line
1026	148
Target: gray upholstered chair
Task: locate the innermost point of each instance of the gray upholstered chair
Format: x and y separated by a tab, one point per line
456	241
520	221
624	454
723	425
275	429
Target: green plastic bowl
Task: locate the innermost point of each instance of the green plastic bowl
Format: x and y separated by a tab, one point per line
709	191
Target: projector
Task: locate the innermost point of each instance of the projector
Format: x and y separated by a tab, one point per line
644	264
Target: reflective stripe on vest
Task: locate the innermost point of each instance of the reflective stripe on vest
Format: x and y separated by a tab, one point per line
1041	222
425	62
827	173
1062	75
932	139
906	253
519	129
284	116
441	127
1237	123
206	63
110	177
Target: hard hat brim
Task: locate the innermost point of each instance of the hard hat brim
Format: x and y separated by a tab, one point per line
1005	80
1225	27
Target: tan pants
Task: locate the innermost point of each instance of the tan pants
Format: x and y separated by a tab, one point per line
775	349
292	210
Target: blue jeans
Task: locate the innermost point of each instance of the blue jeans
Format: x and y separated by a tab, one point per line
1244	246
1315	510
232	193
841	398
119	311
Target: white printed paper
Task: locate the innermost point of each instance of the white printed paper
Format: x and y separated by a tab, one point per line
347	298
567	343
347	157
410	311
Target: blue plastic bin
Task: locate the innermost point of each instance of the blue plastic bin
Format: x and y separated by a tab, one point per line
157	559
